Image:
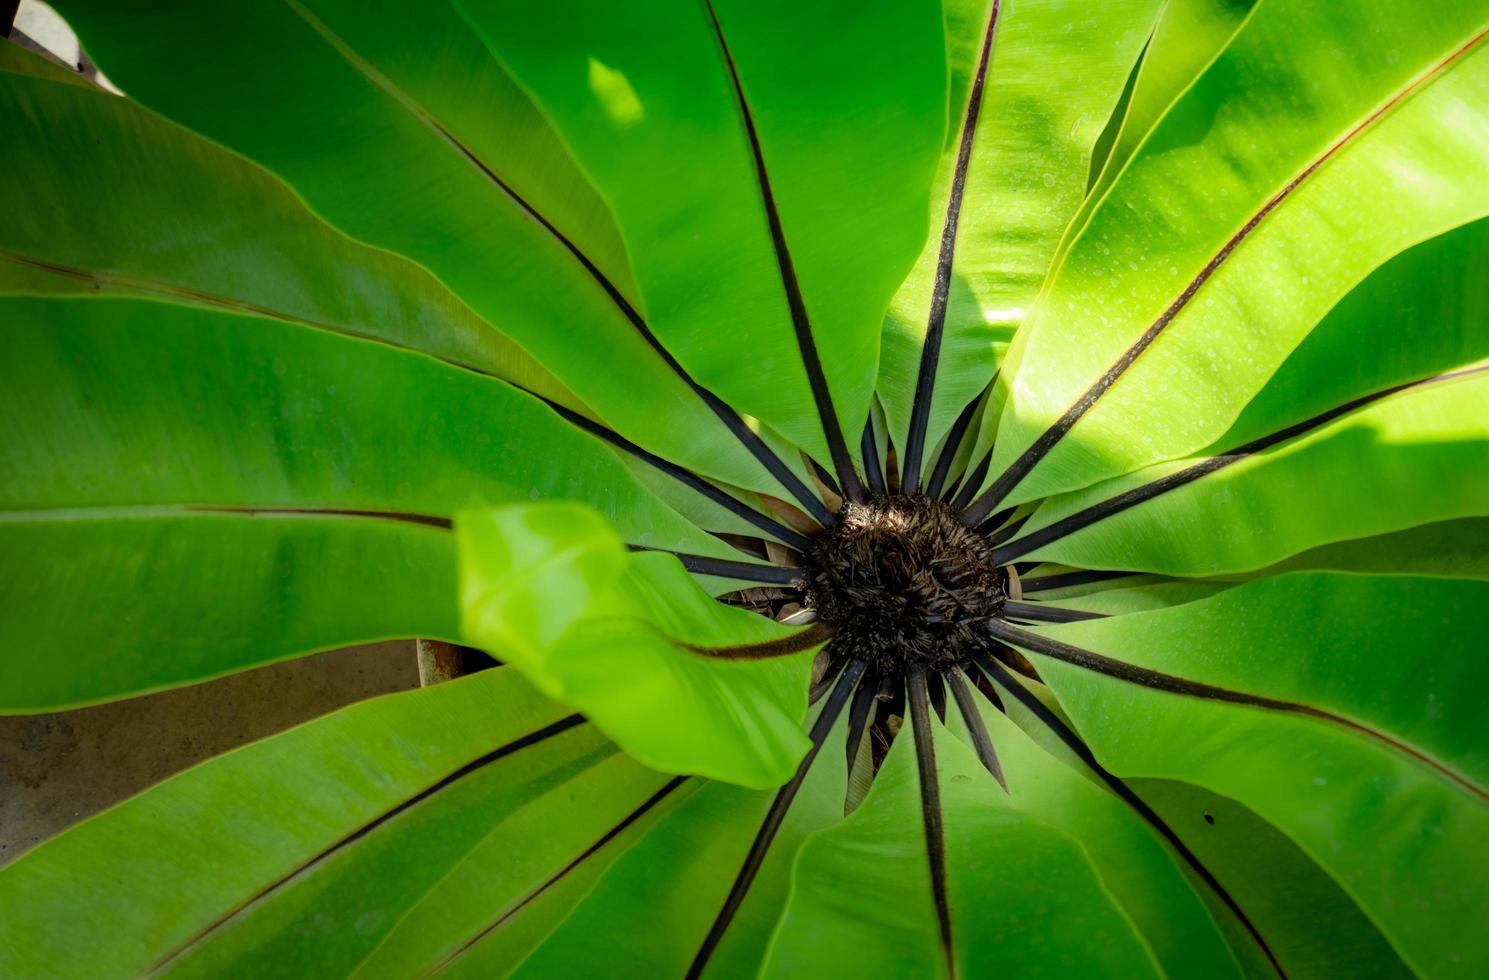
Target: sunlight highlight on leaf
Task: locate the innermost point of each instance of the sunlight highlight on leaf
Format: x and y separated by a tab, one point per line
615	93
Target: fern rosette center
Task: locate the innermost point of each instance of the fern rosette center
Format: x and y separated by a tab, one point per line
901	581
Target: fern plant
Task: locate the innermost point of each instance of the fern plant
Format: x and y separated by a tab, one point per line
962	489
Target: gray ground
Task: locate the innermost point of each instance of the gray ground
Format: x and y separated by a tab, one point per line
57	769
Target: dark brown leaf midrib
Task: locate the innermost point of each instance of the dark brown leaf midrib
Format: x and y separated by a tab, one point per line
982	742
930	353
859	716
805	340
932	819
1044	613
1173	684
405	517
868	450
725	414
1103	509
728	568
784	646
952	445
972	480
615	831
475	765
1065	580
193	296
1052	722
774	818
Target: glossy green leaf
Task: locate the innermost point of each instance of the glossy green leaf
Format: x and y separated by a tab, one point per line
124	402
1053	73
419	143
1189	35
174	598
1246	214
1312	925
327	920
1451	549
650	913
1139	598
256	321
529	571
733	720
526	873
1023	897
1382	784
623	637
1423	313
1412	458
153	210
1303	917
127	423
644	96
1143	878
284	825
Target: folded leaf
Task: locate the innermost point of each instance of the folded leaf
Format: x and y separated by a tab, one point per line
1313	926
1422	313
1189	35
529	572
685	684
1451	549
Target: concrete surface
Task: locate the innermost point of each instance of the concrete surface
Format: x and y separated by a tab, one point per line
56	769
